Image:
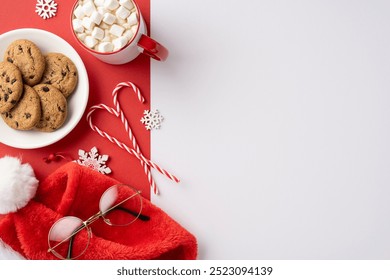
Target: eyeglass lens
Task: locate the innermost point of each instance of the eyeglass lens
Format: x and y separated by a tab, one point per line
69	238
120	205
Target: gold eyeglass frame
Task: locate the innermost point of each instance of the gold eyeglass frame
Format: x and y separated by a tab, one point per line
85	224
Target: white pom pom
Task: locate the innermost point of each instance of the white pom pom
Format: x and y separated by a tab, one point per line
18	184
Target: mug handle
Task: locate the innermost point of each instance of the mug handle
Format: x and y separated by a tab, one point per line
152	48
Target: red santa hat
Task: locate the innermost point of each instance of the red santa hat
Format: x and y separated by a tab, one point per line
31	208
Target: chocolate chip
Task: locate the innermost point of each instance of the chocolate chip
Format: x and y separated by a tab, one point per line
20	48
60	109
13	81
10	60
45	89
10	91
63	73
7	79
17	124
31	77
6	96
27	115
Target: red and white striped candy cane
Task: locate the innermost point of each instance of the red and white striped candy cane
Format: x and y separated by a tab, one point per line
124	121
127	126
118	112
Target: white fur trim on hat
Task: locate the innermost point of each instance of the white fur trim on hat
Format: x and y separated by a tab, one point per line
6	253
18	184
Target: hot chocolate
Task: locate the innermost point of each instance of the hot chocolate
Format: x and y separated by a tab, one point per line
105	26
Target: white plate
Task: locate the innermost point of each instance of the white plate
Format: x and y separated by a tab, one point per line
77	102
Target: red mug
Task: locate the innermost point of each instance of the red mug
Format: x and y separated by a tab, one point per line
114	31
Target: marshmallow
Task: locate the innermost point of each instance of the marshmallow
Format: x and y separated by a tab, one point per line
99	3
102	10
116	30
77	25
82	36
88	23
89	8
90	42
119	43
78	12
122	12
127	4
126	25
104	26
128	34
120	21
109	18
98	33
107	39
96	17
107	36
132	19
134	28
111	4
105	47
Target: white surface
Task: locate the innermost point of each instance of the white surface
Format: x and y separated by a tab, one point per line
277	121
77	102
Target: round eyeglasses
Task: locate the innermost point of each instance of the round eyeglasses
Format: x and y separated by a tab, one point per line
120	205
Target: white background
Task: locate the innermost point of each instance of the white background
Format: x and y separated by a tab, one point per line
277	121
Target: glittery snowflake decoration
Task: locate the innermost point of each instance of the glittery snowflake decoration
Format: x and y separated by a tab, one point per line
152	119
93	160
46	8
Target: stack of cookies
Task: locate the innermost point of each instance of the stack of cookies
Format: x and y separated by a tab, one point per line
34	87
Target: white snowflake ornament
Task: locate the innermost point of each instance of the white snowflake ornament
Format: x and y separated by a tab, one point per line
46	8
152	119
93	160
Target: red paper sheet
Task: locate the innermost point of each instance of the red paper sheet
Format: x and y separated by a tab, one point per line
16	14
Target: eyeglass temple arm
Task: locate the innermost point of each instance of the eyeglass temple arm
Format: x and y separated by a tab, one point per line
117	206
138	215
135	214
70	247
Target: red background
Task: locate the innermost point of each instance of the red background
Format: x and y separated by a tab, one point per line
16	14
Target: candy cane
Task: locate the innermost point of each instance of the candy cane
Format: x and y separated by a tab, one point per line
146	164
127	127
122	115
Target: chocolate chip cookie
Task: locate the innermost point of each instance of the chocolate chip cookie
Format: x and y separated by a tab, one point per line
60	72
26	113
11	86
28	58
54	108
